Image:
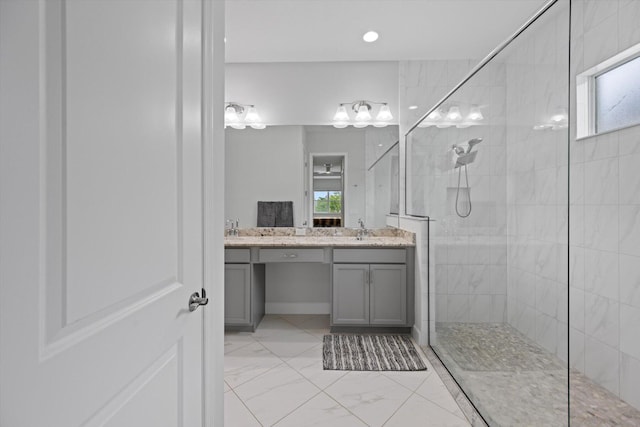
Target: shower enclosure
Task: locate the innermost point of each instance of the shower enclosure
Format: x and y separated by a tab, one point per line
489	166
533	235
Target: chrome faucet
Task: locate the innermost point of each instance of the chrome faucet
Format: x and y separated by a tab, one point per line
362	231
233	227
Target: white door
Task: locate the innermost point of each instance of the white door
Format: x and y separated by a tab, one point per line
101	225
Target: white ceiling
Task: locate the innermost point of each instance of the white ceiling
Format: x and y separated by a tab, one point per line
331	30
297	59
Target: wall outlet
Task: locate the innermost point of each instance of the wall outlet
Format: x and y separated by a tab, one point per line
301	231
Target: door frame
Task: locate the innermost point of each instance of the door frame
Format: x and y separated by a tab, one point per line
212	113
309	189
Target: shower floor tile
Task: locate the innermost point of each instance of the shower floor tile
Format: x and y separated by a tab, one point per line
513	382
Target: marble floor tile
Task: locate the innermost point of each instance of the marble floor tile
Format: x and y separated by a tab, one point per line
234	341
371	396
418	411
409	379
276	393
247	363
321	411
309	365
236	414
274	376
434	390
289	343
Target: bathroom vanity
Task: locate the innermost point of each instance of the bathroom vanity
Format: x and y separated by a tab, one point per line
372	280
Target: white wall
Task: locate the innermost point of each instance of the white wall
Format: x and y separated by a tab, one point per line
263	165
308	93
605	216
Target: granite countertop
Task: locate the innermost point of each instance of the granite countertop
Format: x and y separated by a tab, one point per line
316	241
319	237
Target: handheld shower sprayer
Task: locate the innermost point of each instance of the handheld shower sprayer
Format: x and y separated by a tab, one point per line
464	158
473	142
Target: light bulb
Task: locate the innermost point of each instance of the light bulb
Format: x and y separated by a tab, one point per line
252	116
384	115
258	125
341	114
360	124
559	116
230	114
475	114
435	115
363	114
454	114
380	124
238	125
340	125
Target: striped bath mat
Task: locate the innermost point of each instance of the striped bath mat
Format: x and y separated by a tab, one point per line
370	353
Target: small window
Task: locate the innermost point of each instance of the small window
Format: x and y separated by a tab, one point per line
608	95
618	97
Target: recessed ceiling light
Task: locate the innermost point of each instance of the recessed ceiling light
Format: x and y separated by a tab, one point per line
413	107
370	36
379	145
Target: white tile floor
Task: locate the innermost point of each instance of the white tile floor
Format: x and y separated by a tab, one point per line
274	376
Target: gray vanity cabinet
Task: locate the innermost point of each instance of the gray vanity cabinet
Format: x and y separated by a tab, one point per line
243	291
369	294
351	294
388	294
237	294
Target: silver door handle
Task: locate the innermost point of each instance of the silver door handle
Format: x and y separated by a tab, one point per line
195	300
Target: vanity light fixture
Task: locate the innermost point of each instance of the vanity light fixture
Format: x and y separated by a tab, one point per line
454	117
233	116
559	120
363	117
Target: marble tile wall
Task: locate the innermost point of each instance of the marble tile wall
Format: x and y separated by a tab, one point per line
468	274
537	181
605	216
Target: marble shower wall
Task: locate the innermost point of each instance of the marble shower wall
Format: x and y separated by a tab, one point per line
537	181
605	216
468	262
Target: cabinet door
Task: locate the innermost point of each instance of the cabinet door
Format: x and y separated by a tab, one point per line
388	294
237	294
350	294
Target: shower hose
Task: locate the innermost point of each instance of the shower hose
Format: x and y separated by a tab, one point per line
466	176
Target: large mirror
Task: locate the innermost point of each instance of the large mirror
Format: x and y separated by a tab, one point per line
334	177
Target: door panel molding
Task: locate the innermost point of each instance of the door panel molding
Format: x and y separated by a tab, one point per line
167	361
59	328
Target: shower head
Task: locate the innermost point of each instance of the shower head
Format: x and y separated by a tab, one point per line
472	142
457	149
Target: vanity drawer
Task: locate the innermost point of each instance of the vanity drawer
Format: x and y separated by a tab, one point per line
386	256
291	255
237	256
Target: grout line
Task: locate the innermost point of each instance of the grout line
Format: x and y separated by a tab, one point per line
297	407
398	408
248	409
342	406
